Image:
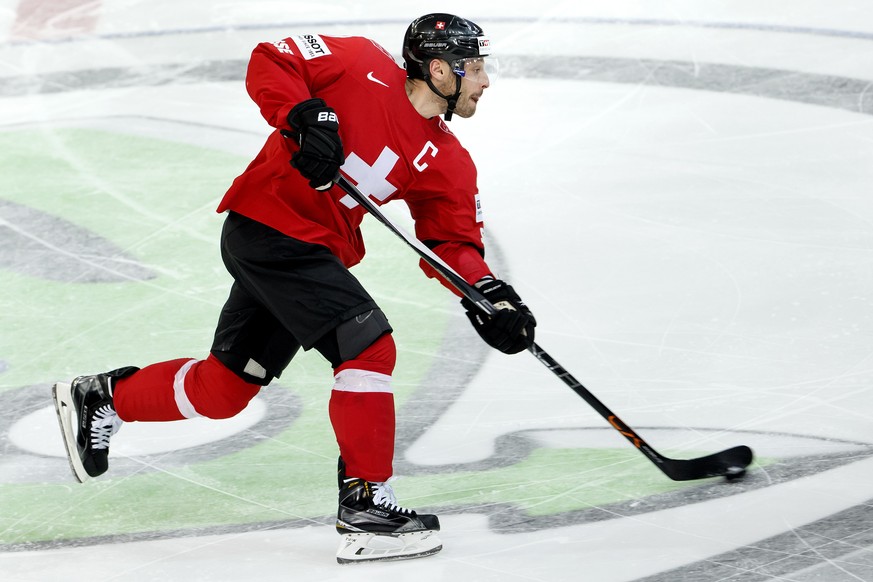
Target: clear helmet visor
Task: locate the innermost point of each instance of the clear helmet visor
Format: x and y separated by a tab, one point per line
477	69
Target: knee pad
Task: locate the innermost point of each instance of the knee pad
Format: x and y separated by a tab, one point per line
352	337
356	334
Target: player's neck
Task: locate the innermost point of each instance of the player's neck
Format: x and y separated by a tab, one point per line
423	99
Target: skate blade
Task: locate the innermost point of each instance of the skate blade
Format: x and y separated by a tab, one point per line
368	547
63	397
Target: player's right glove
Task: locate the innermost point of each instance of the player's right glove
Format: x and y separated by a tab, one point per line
511	328
316	129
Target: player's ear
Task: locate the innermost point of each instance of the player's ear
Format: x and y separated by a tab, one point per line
438	68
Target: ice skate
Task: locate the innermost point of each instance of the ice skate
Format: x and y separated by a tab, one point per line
87	418
375	528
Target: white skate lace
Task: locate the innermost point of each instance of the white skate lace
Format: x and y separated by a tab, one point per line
104	424
383	494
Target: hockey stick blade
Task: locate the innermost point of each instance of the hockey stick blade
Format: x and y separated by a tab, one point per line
730	463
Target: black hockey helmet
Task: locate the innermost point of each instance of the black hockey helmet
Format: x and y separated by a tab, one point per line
441	36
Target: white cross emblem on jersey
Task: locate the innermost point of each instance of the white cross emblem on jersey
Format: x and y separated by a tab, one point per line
371	180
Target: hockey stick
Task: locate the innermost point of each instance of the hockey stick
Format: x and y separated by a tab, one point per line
730	463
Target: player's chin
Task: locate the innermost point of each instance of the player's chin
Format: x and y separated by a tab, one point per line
468	110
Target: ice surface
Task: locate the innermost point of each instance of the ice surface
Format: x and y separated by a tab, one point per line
680	190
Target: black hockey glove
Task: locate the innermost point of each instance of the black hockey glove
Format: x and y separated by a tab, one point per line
321	150
511	329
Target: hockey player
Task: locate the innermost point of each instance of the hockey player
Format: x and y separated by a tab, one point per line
289	239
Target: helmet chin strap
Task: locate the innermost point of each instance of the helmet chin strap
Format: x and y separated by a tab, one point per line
452	100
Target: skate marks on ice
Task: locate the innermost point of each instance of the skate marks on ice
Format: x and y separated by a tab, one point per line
803	456
37	244
787	457
838	548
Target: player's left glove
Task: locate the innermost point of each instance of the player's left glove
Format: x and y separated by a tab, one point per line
321	150
511	329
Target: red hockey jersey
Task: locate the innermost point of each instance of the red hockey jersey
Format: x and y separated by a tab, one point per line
391	151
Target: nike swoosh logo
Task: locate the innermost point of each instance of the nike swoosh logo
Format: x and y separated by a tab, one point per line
374	79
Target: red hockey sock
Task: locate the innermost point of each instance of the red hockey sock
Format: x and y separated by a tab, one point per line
364	427
362	411
183	388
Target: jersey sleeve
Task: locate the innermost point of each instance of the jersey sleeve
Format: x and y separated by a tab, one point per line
282	74
448	220
465	259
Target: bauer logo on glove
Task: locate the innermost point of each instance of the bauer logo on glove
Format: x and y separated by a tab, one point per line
316	129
